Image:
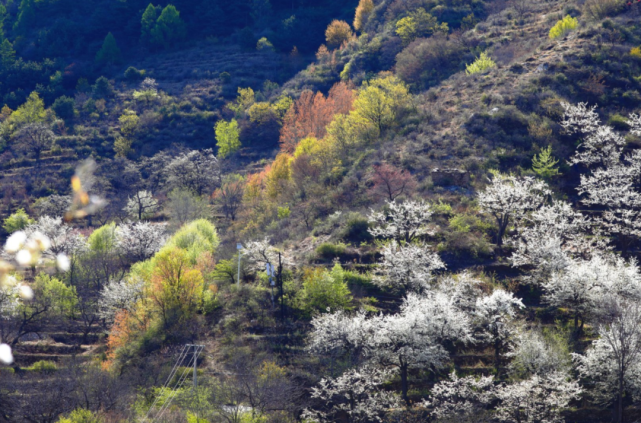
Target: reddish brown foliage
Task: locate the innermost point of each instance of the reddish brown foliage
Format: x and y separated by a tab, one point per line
391	182
311	113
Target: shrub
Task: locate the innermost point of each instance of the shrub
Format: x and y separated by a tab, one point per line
284	212
356	230
44	366
329	251
17	221
102	88
635	52
225	77
81	416
425	62
619	122
323	289
482	63
599	9
563	26
133	74
64	107
264	45
337	33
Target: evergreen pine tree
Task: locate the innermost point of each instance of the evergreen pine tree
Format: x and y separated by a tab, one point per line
7	54
147	23
26	17
109	54
169	27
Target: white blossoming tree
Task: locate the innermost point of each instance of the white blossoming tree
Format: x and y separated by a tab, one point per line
460	398
357	394
584	283
612	365
139	241
612	183
141	205
407	266
508	198
539	399
406	221
119	295
197	171
413	338
493	318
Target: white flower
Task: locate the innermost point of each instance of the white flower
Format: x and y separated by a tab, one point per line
63	262
5	354
25	292
15	242
23	258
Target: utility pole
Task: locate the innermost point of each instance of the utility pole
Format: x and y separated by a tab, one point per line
239	247
280	283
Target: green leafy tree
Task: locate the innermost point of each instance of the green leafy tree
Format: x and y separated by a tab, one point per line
563	26
17	221
109	54
227	138
169	28
418	24
80	416
32	111
544	164
323	289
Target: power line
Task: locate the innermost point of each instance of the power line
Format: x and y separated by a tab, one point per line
197	349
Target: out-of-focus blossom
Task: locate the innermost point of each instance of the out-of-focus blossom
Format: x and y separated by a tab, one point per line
6	357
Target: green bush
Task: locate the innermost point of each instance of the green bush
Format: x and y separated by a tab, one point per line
563	26
323	289
133	74
43	366
356	230
482	63
81	416
619	122
17	221
329	251
64	107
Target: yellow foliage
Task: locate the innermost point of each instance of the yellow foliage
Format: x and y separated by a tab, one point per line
363	11
337	33
278	175
381	101
563	26
636	52
482	63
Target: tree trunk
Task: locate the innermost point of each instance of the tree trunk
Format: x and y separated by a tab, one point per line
404	384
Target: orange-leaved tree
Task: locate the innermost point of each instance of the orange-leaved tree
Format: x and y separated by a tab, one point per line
311	113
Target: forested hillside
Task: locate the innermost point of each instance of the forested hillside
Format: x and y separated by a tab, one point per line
268	211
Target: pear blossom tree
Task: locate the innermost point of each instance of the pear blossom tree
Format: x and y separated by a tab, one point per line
357	394
140	241
197	171
493	319
141	205
412	338
403	222
539	399
534	354
613	180
508	198
119	295
549	236
460	398
612	365
584	283
407	266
